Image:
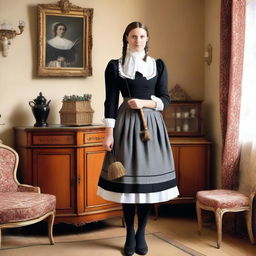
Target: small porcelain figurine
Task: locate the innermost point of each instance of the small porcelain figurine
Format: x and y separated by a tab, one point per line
178	128
186	114
193	113
185	127
178	115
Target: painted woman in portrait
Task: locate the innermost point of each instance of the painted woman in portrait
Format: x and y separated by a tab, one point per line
60	51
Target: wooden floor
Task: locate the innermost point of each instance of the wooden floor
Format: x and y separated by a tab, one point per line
175	221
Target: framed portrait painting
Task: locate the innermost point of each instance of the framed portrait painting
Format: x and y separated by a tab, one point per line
65	40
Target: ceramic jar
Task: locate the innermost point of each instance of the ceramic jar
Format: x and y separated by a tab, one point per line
40	108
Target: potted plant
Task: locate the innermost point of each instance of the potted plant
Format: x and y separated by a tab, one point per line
76	110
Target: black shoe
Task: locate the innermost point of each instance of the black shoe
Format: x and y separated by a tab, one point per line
130	244
141	245
141	251
129	251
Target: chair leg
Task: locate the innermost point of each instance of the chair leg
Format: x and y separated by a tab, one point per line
199	217
0	238
249	225
50	227
218	218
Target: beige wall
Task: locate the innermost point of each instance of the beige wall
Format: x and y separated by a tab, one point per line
180	31
211	89
177	32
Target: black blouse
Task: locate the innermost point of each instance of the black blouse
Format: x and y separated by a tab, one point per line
139	88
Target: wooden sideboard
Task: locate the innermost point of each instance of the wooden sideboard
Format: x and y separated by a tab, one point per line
66	162
192	163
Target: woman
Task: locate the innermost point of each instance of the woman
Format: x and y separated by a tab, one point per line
60	52
150	174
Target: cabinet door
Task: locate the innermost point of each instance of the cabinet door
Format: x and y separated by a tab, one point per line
193	169
94	159
53	172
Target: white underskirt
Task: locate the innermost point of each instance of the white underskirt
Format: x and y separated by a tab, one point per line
139	198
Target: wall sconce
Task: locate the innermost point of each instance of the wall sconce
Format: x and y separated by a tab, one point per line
208	55
7	33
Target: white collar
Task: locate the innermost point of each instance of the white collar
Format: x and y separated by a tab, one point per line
60	43
134	63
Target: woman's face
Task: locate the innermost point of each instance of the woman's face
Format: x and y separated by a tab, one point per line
137	39
60	31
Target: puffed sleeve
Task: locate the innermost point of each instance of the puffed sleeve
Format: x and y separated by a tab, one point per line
112	90
161	90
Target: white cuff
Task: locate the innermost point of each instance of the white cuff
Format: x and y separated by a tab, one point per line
109	122
159	103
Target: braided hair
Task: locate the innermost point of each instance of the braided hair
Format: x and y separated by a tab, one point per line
128	29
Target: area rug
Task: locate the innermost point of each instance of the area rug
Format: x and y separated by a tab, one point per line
159	245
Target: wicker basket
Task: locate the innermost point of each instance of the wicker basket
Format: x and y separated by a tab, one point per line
76	113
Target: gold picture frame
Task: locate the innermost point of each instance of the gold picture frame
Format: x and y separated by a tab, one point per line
64	40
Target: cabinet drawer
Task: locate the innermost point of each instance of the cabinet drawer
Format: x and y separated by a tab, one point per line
53	140
94	137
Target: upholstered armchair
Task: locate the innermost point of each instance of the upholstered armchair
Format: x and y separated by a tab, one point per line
220	201
20	204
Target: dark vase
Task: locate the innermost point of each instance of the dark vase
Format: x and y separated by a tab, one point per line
40	109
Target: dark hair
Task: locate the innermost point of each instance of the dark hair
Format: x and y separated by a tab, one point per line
57	25
128	29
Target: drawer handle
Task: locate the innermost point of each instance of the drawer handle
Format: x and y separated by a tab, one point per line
94	138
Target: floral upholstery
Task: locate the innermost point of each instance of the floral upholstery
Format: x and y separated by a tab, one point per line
222	198
21	204
24	206
221	201
7	167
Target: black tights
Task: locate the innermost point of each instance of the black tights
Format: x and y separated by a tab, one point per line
143	211
129	213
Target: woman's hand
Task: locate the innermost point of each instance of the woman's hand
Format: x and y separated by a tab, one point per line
135	103
108	141
138	103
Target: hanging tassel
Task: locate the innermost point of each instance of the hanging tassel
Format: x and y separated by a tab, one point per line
145	134
116	169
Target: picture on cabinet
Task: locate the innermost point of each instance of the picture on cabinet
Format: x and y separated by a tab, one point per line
65	40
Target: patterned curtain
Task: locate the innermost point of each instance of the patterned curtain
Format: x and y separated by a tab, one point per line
247	168
231	68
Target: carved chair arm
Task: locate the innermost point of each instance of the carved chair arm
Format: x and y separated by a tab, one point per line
28	188
253	192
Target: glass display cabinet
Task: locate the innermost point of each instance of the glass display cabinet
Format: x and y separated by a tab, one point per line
183	118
